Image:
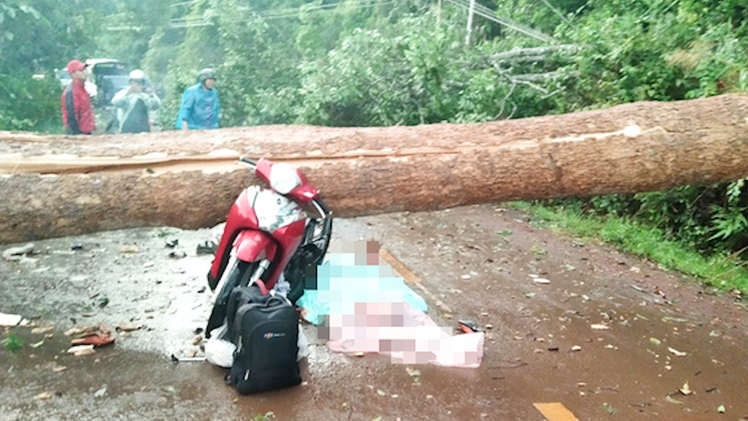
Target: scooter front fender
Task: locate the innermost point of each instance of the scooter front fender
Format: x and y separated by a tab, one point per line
252	246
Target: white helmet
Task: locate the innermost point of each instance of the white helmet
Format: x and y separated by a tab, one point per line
137	75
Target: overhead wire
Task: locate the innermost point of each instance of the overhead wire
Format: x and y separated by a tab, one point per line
491	15
283	13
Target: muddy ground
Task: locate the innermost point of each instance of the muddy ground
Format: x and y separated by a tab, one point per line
610	336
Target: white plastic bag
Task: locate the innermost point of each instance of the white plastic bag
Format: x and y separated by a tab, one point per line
220	352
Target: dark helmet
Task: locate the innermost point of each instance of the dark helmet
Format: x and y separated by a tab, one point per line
206	74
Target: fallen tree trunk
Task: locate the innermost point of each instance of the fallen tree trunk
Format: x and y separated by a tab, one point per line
55	186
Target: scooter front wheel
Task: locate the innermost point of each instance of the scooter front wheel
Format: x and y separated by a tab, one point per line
238	276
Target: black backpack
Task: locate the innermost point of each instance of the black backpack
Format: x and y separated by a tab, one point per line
265	330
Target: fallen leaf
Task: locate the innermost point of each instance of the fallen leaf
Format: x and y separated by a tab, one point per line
541	281
609	409
600	326
676	352
721	409
655	341
413	372
380	392
685	389
169	389
38	330
37	344
99	393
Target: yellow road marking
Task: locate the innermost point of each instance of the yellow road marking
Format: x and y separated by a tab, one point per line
411	278
555	411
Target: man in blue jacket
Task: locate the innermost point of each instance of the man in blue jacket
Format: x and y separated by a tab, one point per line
200	104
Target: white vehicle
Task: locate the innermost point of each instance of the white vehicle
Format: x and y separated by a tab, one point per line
107	77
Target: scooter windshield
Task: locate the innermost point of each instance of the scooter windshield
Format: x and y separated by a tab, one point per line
274	210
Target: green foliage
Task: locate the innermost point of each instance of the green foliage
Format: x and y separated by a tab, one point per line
12	342
720	269
28	103
708	218
268	416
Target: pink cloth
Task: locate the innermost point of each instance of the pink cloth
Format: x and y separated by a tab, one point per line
408	335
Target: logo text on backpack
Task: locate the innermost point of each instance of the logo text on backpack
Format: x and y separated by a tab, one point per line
271	335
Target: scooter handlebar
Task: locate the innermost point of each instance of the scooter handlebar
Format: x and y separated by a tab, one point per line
323	210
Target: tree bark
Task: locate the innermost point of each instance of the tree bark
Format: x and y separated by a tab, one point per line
55	186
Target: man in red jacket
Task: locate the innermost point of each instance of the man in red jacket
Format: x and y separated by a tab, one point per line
77	114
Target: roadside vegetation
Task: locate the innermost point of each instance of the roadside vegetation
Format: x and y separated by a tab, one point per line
721	269
378	63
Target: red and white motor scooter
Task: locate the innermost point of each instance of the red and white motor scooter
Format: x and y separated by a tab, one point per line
268	234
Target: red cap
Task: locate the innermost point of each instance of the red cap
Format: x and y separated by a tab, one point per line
76	65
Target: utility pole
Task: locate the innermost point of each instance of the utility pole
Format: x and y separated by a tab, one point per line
470	22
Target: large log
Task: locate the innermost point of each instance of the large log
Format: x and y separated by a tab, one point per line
55	186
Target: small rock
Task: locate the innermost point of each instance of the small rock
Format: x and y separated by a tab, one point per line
129	248
10	320
16	253
128	327
576	348
44	396
81	350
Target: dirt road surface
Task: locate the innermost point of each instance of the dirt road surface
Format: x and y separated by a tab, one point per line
604	334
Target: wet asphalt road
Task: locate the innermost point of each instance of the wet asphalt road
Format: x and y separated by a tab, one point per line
609	337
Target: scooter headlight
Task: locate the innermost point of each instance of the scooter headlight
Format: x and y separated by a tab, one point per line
284	178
